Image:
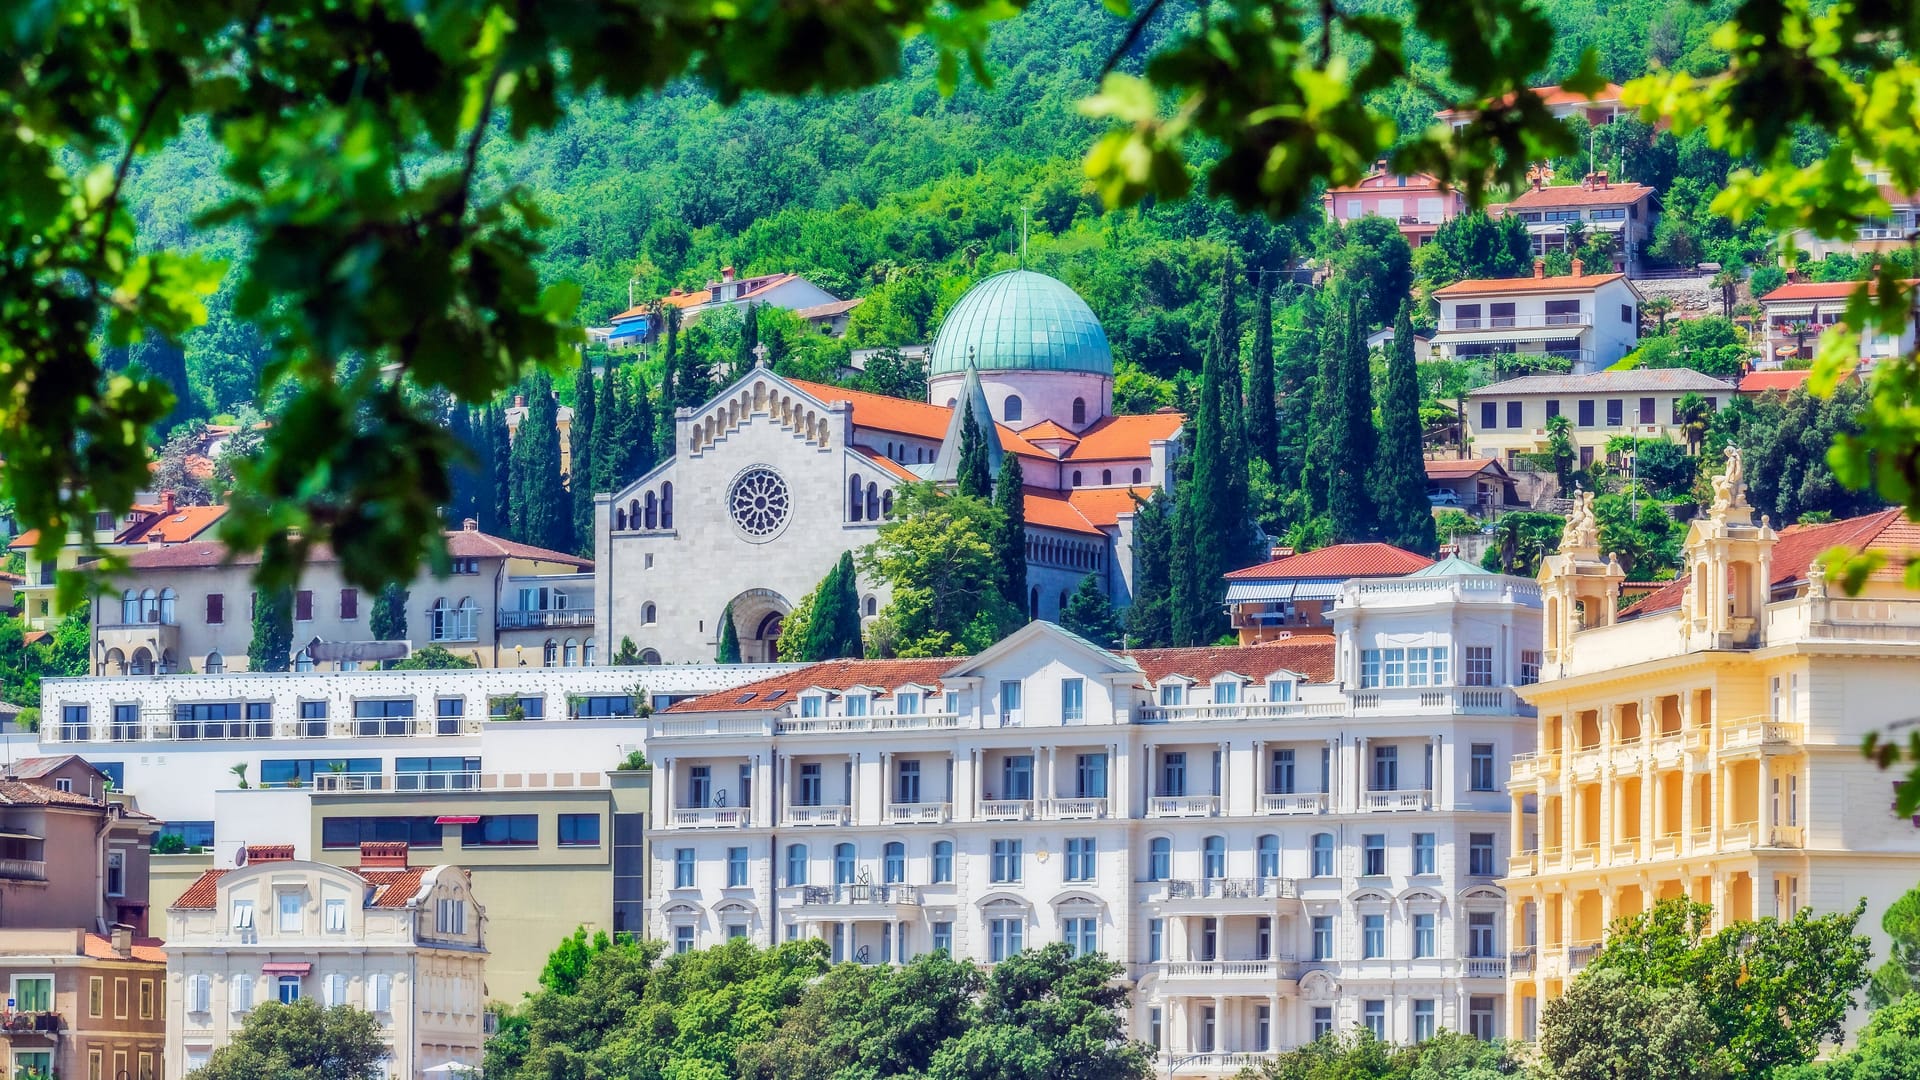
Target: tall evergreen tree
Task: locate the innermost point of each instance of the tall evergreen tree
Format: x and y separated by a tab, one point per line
1090	614
500	453
272	646
729	650
1323	391
1263	437
669	397
1351	438
1149	616
1406	517
833	626
744	360
541	514
1011	500
464	476
636	436
580	466
608	422
1211	525
974	479
388	622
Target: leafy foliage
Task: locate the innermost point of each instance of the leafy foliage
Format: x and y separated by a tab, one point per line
434	658
301	1041
272	646
1090	614
1400	477
833	621
1449	1055
939	555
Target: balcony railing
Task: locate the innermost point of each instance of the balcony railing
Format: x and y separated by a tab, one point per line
1481	967
1514	322
863	893
1312	802
1579	955
1277	968
834	725
926	813
1222	888
1183	806
1521	960
1759	732
712	817
819	815
1523	863
1419	799
1214	1061
434	783
1247	710
1787	836
1477	700
528	620
23	869
1006	810
1073	809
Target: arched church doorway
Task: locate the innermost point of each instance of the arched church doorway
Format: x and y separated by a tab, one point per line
758	617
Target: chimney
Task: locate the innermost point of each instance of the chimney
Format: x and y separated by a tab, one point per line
1447	550
1600	179
122	940
383	855
726	274
1279	551
268	853
1578	266
1539	268
166	503
1586	182
470	525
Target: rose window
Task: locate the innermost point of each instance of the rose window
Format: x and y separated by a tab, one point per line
759	502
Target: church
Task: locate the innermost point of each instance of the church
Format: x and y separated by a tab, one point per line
775	477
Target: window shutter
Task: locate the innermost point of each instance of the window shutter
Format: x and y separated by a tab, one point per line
199	992
242	993
382	993
349	603
336	989
216	608
303	605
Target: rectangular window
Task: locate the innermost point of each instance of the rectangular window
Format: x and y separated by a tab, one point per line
1480	854
1529	667
1173	774
906	703
579	830
1646	411
682	940
1482	768
1373	862
1513	414
116	873
1173	694
216	608
1423	935
1480	1018
146	999
96	997
796	864
348	833
349	604
857	704
1080	858
736	867
1090	776
943	936
1323	937
1586	412
121	999
1616	412
1373	1013
1073	700
501	830
450	917
1281	778
1386	768
1480	928
1009	697
243	914
1016	777
1226	692
292	912
1006	861
683	868
1322	1021
1369	668
809	793
303	606
1479	665
1373	936
1489	415
1082	935
335	912
1004	938
811	706
1422	1019
1553	408
1423	853
1156	940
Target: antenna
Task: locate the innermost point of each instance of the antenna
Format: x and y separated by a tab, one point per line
1024	214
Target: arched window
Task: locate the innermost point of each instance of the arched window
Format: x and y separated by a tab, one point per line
1011	410
167	597
856	502
572	655
1213	857
653	511
843	864
130	607
1063	601
1076	478
467	619
586	653
648	614
550	653
889	449
796	864
1136	476
886	503
302	661
873	501
649	657
1106	476
872	605
620	518
951	402
1033	601
633	514
894	866
1159	859
666	505
142	662
215	664
1322	855
1268	851
1079	410
942	862
149	606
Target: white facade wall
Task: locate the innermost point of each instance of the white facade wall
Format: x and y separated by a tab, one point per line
1606	329
1044	395
1202	993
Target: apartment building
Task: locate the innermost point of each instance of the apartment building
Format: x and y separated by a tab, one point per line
187	608
1704	742
1294	591
1418	204
145	525
1625	211
1796	315
551	850
1602	107
402	941
1590	320
1274	841
82	1004
1509	418
71	854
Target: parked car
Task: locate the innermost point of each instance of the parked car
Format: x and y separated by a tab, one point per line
1443	497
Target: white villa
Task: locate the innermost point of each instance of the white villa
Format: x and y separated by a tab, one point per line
1590	319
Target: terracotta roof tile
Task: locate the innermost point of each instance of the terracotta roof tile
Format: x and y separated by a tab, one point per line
1309	654
461	544
899	471
1886	531
1339	561
1120	438
1621	194
22	793
183	524
905	417
1499	286
25	540
778	691
1606	382
203	893
1416	182
471	543
1047	429
1103	506
391	888
1759	382
824	311
1821	290
1458	468
144	948
1055	511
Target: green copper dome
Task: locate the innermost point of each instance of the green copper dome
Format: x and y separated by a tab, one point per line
1018	320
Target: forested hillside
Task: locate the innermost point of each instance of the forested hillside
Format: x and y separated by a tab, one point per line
898	194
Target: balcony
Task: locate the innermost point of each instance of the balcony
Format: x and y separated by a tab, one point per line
1444	700
533	620
45	1024
1420	799
23	869
1261	888
1223	1062
1666	846
1759	733
857	894
1787	836
1584	763
1523	864
835	725
1626	852
819	815
1579	955
1006	810
1483	967
690	727
933	813
436	783
1313	802
1249	710
1521	960
1252	970
1183	806
1534	765
1514	322
1073	809
712	817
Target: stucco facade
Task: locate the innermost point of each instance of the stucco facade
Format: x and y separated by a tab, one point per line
1509	418
82	1005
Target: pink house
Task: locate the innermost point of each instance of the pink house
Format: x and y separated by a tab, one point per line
1419	204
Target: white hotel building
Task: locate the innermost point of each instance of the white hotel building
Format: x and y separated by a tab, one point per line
1275	841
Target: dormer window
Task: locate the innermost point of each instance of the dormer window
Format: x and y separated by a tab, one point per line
907	703
1226	692
1279	689
857	704
1173	694
812	705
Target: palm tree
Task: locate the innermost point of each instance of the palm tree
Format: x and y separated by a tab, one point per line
1659	307
240	771
1693	416
1800	328
1576	231
1726	281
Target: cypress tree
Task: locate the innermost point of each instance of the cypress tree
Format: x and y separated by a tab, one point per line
749	337
608	422
389	619
669	389
541	514
1211	531
1011	500
973	478
272	646
1406	517
729	650
500	451
1091	615
833	626
1149	616
636	437
580	467
1263	438
1351	437
465	475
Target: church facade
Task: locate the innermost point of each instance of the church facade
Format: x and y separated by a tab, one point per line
775	477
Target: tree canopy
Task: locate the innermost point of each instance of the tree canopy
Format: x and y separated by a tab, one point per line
301	1041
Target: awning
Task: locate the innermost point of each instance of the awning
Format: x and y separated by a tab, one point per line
457	819
10	834
285	969
1245	591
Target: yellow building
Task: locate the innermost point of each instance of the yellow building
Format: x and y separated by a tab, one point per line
1705	740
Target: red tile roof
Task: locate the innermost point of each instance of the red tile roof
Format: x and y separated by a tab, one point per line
1497	286
144	948
1339	561
905	417
185	523
25	540
1458	468
1055	511
203	893
780	690
1552	96
1103	506
473	544
461	544
22	793
1416	182
1121	438
1047	429
1759	382
1887	531
391	888
1822	290
1309	654
899	471
1563	195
